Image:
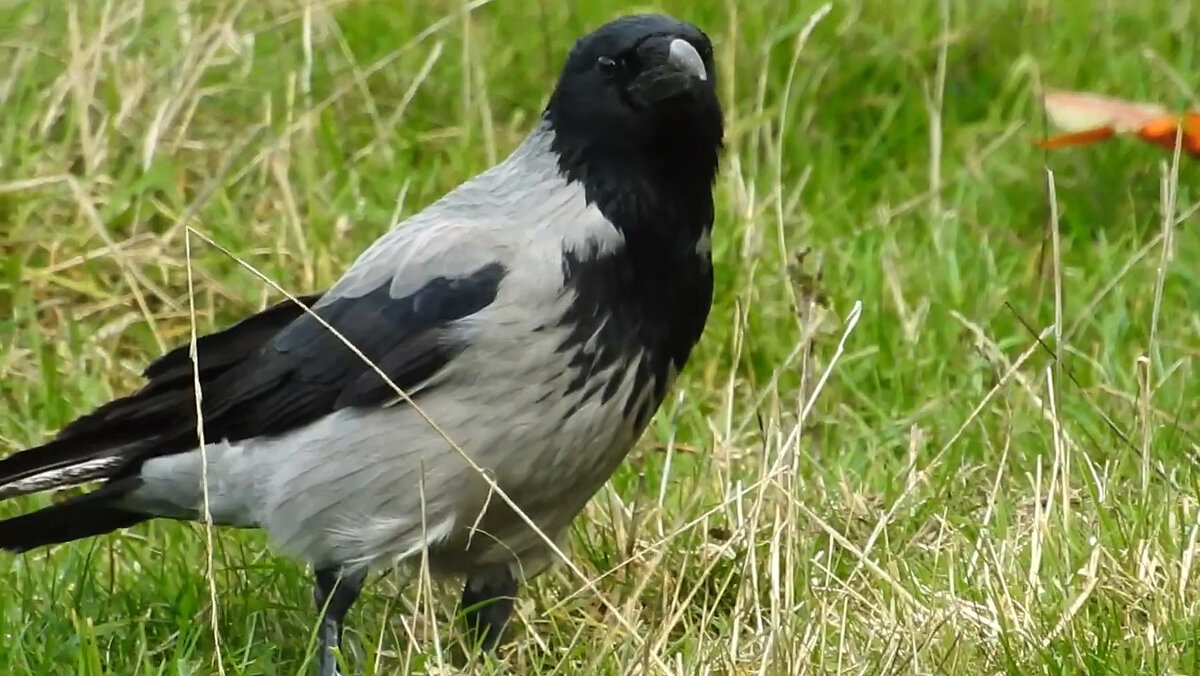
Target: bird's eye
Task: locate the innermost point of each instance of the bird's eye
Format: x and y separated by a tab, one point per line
607	67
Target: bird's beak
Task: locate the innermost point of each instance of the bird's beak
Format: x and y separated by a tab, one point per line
674	68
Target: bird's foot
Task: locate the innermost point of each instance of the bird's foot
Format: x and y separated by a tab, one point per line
336	590
488	598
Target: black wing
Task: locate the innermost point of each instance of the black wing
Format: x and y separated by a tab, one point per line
273	372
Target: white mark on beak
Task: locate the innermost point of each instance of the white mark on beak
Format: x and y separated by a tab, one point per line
685	57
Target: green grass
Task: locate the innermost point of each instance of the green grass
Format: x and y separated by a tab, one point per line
943	496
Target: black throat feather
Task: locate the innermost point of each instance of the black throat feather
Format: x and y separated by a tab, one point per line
650	299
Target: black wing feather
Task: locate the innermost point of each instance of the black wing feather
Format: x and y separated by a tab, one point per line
273	372
216	353
224	348
306	370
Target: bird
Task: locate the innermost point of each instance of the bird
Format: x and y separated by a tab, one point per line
516	336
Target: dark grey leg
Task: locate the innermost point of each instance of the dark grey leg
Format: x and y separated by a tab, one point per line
488	598
335	592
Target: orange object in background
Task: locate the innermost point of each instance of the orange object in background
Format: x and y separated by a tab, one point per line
1163	132
1088	118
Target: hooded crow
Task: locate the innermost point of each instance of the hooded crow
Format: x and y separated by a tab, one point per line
538	314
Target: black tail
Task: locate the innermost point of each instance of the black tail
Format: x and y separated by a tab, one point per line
90	514
123	427
111	442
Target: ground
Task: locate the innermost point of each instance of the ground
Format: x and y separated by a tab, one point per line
872	465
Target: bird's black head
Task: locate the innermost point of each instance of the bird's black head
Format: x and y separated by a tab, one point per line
636	119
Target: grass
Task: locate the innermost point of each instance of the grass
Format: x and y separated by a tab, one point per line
928	490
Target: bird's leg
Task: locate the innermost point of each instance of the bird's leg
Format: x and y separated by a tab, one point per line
488	598
336	590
